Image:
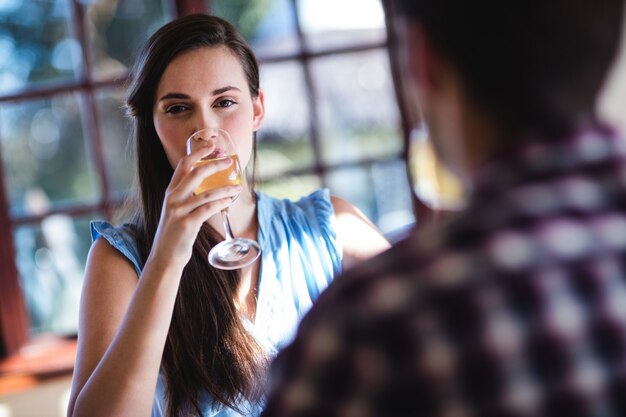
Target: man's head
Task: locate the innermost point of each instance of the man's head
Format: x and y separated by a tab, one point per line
531	65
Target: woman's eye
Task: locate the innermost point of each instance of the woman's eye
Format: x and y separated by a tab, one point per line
176	109
225	103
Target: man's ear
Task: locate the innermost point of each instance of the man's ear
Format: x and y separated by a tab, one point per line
426	62
258	111
419	65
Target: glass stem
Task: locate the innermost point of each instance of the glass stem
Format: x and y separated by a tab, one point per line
228	231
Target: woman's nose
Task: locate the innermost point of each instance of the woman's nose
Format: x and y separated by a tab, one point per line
205	119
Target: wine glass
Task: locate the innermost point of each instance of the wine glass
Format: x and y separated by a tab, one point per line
231	253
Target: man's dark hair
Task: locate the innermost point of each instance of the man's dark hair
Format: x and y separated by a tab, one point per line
533	64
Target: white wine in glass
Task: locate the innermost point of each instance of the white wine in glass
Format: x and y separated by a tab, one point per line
231	253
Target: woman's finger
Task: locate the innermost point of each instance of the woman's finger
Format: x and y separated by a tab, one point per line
208	210
199	173
211	196
187	162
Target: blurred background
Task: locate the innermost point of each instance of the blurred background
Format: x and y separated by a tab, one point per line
333	120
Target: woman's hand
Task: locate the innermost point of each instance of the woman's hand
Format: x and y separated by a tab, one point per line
183	212
124	321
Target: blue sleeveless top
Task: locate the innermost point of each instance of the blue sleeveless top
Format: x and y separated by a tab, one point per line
300	256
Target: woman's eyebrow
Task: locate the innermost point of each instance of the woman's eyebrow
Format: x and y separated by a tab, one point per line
184	96
225	89
174	95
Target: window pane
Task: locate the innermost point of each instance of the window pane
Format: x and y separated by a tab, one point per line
269	25
331	23
291	187
357	108
51	262
116	132
381	192
45	157
392	193
116	32
283	141
35	43
355	185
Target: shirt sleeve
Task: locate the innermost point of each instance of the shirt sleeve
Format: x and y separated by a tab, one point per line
121	238
350	354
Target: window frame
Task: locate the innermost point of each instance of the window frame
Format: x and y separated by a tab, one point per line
14	322
421	210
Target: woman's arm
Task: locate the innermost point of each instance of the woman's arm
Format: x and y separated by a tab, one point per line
359	238
122	332
124	322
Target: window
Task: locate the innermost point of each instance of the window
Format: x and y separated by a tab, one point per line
332	120
61	136
331	113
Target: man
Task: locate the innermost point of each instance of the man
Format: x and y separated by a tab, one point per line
516	306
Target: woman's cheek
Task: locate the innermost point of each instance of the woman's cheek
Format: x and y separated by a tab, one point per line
243	141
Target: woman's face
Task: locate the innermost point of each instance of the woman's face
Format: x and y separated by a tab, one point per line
201	88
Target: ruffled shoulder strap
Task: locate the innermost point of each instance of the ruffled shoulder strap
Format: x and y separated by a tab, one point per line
121	238
305	227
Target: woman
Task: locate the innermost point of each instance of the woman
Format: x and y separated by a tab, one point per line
186	338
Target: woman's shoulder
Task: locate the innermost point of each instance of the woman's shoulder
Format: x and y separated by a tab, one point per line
122	237
122	232
359	237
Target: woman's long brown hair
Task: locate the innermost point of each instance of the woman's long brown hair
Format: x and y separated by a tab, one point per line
207	346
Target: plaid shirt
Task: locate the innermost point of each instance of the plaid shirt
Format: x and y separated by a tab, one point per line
515	307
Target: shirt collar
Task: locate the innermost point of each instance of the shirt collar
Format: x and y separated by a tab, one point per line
538	157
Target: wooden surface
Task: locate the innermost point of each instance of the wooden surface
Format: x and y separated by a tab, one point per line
43	359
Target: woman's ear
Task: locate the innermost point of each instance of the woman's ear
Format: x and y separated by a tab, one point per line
258	110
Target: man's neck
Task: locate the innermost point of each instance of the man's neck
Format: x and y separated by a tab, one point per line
480	139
